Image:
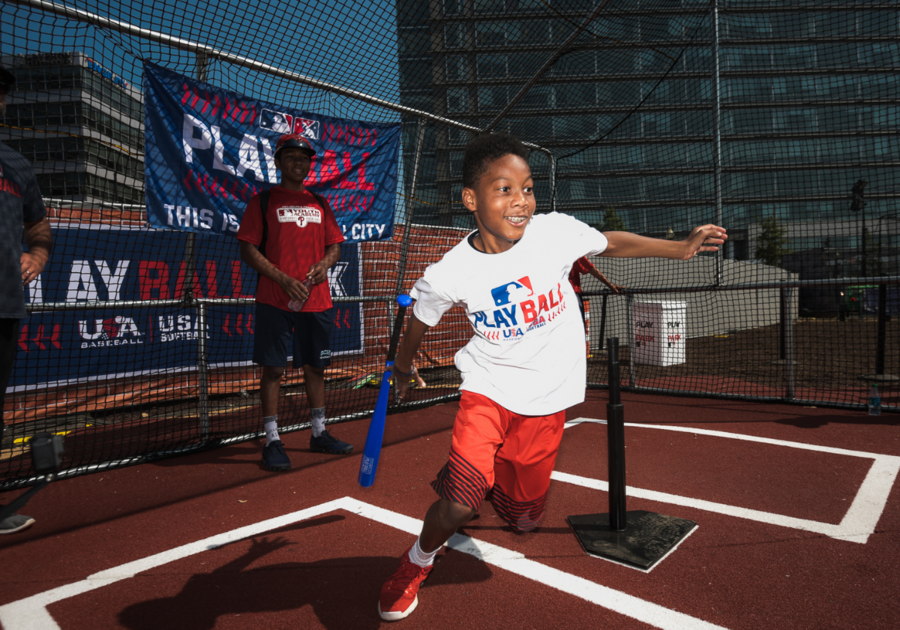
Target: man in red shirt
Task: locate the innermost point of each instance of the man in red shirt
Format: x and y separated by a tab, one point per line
292	247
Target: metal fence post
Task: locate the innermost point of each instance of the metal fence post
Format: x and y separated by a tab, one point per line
602	320
788	328
201	65
629	317
203	369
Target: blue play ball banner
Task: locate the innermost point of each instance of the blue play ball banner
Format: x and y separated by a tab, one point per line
208	151
134	266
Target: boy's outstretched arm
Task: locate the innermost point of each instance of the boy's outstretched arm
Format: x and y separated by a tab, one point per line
706	238
409	346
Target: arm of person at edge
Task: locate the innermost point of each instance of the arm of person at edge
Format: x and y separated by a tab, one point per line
705	238
39	239
318	272
597	274
403	362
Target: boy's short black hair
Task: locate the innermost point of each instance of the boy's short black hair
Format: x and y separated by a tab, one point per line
485	149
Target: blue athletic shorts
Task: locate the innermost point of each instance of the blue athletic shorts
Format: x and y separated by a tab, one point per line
274	328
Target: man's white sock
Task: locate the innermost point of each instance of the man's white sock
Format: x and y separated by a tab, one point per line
318	421
270	424
419	557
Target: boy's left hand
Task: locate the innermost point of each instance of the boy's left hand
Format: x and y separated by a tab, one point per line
705	238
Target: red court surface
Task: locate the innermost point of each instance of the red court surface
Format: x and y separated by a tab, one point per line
797	511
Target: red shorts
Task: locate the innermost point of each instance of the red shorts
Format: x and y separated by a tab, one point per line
502	455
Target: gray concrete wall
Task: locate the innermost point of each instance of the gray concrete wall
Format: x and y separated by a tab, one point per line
708	312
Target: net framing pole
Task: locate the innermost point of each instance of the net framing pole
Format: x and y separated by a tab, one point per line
410	209
717	134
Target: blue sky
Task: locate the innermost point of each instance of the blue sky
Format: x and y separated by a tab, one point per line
352	44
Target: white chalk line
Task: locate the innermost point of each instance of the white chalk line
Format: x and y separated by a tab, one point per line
859	521
31	613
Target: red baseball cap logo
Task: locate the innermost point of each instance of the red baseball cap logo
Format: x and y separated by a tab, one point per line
296	141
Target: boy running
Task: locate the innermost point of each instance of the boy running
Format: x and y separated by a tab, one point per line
524	366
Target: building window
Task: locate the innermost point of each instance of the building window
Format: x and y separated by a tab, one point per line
457	68
454	7
490	6
492	66
538	97
490	34
454	35
457	100
492	98
576	94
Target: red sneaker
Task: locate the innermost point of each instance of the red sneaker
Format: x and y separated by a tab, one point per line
399	595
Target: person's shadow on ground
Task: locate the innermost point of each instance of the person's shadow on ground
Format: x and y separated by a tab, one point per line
342	591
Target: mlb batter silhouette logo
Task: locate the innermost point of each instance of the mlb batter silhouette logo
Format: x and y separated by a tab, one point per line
512	292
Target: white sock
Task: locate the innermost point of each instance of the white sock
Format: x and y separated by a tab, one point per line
270	424
420	558
318	421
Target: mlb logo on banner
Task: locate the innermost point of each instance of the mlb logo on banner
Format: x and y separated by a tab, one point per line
276	121
307	128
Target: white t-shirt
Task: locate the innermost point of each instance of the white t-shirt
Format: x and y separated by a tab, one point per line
528	351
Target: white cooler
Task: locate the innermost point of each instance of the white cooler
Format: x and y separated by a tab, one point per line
659	332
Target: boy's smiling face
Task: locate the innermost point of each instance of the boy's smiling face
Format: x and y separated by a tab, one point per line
503	202
294	165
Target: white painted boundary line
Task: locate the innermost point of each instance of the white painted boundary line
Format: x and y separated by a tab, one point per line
857	525
31	613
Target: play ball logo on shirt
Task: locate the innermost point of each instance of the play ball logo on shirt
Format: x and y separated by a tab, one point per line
301	215
518	310
512	292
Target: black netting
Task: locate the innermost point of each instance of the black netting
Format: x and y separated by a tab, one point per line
775	119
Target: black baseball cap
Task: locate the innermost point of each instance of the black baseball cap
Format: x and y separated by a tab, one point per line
295	141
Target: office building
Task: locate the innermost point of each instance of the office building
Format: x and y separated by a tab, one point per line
675	113
80	125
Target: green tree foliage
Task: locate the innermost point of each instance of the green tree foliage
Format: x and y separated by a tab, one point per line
770	246
612	222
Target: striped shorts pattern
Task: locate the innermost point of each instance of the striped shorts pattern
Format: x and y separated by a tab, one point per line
522	517
460	481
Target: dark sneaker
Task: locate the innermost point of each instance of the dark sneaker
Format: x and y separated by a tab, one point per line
15	523
274	457
400	594
326	443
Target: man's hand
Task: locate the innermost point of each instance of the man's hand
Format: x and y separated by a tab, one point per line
31	265
295	289
705	238
318	273
38	238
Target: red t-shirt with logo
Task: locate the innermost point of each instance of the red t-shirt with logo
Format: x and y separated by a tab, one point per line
299	232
